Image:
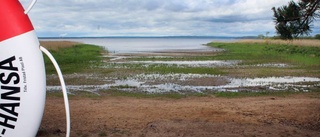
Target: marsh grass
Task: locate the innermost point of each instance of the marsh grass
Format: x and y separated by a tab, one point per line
295	50
76	58
168	69
239	51
258	53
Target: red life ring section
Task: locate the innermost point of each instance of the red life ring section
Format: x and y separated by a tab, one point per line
22	73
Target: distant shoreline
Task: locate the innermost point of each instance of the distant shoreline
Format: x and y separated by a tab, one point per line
195	37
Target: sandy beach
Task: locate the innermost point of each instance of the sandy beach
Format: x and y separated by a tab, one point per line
294	115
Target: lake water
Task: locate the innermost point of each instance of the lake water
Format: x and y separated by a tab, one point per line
156	44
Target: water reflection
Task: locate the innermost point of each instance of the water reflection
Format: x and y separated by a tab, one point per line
141	44
154	83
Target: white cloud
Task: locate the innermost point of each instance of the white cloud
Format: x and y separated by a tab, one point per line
153	17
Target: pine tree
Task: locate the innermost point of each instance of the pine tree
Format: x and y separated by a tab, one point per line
295	19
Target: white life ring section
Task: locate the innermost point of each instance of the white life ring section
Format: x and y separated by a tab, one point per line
23	86
22	73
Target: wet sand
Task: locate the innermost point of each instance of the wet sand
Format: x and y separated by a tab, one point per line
294	115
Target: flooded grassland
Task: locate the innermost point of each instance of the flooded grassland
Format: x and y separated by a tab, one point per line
222	67
186	92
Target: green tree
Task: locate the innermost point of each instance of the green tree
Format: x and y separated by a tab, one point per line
295	19
317	36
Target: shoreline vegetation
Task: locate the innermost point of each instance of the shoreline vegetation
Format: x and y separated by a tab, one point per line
303	55
260	52
73	57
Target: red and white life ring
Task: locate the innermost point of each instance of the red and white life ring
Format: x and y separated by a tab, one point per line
22	72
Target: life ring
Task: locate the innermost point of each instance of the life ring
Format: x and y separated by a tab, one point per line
22	73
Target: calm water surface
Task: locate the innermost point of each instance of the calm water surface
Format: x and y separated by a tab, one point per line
133	45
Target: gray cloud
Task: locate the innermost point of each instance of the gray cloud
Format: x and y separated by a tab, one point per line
153	17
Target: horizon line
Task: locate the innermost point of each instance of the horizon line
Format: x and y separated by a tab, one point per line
58	37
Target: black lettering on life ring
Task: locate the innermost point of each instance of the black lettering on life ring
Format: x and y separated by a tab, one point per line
9	94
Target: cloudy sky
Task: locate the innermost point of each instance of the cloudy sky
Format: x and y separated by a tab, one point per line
74	18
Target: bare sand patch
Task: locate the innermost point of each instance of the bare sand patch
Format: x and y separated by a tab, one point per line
295	115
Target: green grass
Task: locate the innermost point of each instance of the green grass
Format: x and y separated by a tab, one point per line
305	56
75	59
239	51
297	50
258	53
168	69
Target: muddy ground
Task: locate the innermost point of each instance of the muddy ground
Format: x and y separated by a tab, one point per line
293	115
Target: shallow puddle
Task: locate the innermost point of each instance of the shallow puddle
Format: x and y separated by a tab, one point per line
156	83
279	65
216	63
